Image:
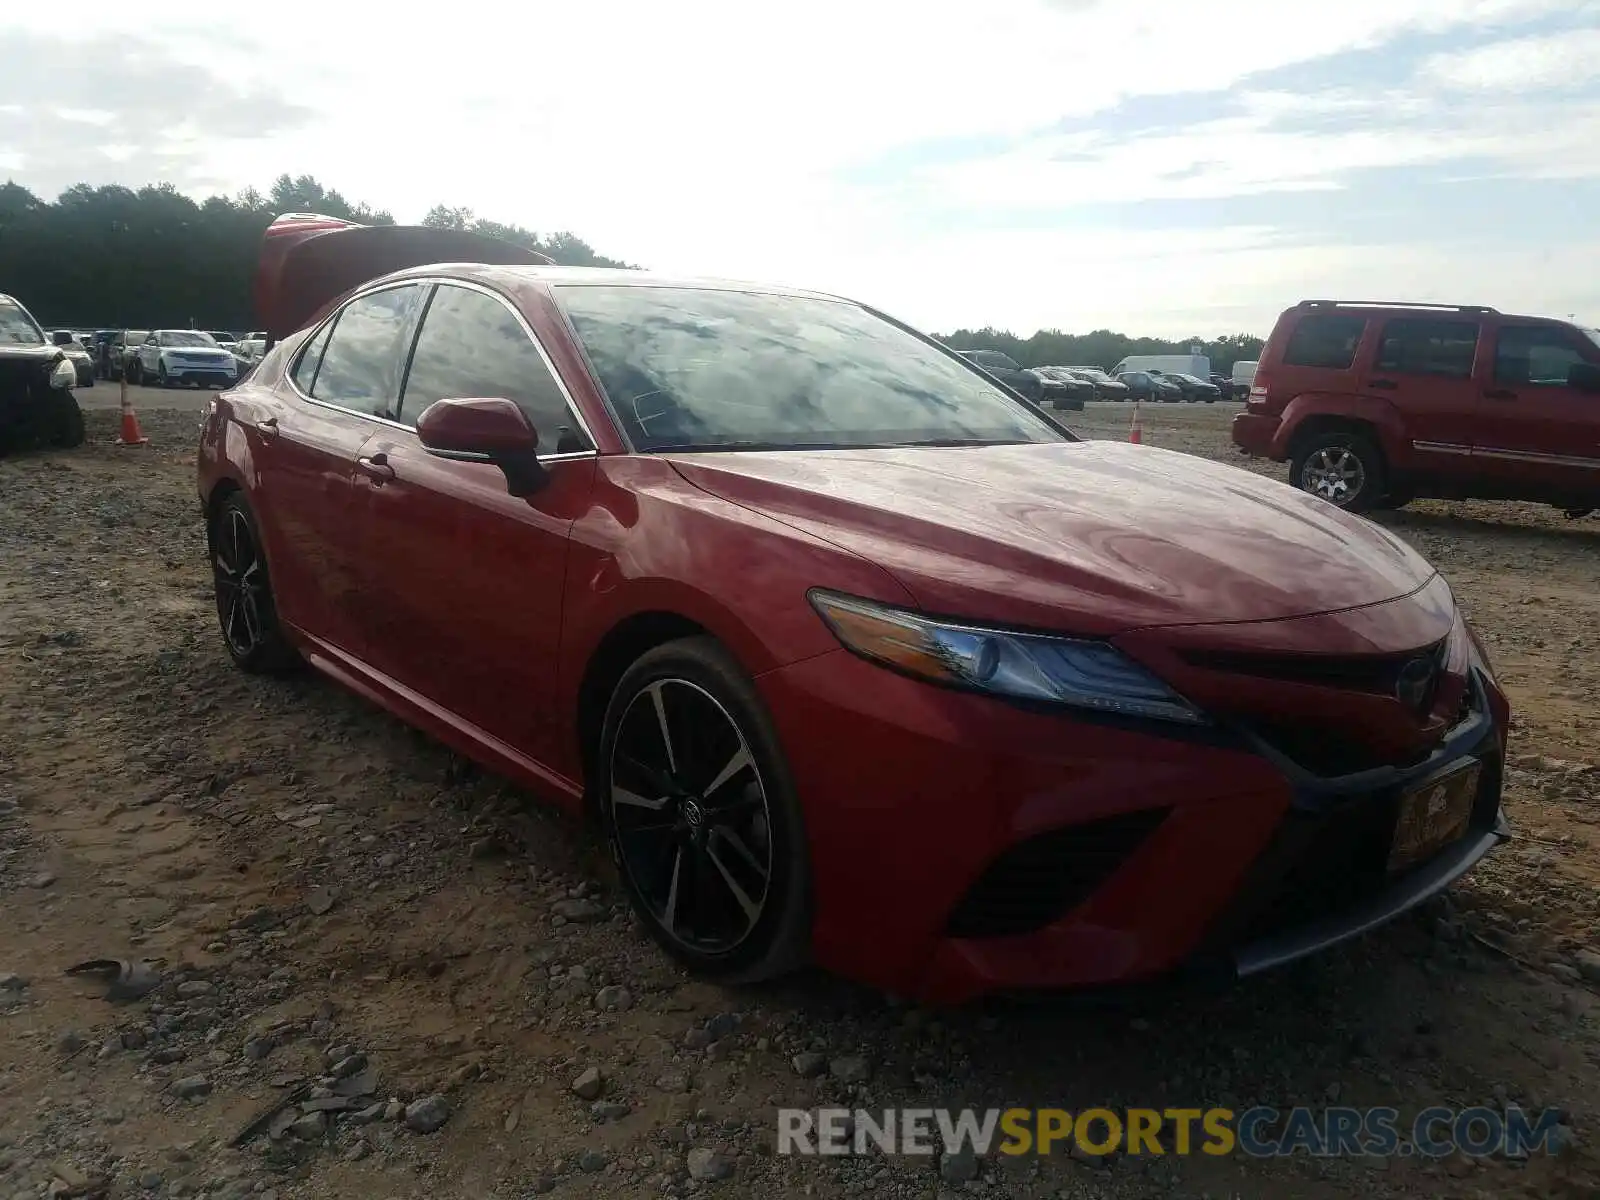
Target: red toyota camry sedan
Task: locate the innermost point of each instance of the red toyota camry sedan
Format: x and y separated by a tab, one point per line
856	656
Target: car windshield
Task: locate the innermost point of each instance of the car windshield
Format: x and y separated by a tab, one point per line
187	337
17	327
1091	373
709	369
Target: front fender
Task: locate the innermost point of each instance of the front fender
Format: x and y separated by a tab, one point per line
1382	416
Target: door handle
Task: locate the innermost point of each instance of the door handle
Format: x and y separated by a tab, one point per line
268	427
1500	394
376	467
1387	385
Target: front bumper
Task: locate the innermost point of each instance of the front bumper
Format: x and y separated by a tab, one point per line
213	376
914	795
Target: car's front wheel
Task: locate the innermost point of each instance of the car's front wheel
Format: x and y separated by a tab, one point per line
63	419
701	815
246	608
1341	466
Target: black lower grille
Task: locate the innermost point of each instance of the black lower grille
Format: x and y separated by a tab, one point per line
1037	881
1324	864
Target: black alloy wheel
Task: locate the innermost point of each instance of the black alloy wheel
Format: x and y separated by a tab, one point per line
700	814
245	606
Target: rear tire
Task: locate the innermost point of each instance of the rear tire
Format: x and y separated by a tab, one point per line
246	608
701	815
134	370
1341	466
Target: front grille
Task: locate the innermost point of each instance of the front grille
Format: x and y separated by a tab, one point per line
1327	752
1039	880
1376	673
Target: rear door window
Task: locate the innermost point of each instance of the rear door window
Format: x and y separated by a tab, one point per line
1541	355
305	369
1326	340
1424	346
473	346
360	367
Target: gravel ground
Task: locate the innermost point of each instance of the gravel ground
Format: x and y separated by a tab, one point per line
384	974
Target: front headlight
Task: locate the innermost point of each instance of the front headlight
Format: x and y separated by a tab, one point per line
63	374
1024	666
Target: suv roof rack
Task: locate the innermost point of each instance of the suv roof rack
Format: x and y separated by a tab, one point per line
1460	308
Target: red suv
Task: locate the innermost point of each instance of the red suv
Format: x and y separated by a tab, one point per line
1375	404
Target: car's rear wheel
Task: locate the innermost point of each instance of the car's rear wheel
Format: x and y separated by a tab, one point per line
246	609
701	815
134	370
1343	467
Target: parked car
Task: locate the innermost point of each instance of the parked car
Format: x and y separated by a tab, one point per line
228	341
174	357
37	406
77	354
1063	389
855	657
1149	386
1378	403
119	352
1105	387
1192	387
1226	388
1004	368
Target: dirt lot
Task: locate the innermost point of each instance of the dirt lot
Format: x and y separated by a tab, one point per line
318	884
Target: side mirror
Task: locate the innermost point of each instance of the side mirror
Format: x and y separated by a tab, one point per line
61	337
1584	377
489	430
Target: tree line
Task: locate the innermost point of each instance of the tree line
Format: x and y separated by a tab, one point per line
105	257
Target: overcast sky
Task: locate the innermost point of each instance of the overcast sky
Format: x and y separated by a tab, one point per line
1146	165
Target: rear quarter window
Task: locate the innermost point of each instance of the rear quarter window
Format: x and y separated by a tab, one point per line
1326	340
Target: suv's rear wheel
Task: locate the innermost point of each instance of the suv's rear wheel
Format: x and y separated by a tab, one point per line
702	818
1343	467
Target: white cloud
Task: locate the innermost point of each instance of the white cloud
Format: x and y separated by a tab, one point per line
1562	60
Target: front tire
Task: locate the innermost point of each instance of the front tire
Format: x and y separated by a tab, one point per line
1341	466
246	609
701	815
63	419
134	370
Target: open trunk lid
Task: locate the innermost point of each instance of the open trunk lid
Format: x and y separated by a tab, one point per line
308	260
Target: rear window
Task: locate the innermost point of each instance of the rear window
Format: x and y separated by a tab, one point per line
1326	340
1420	346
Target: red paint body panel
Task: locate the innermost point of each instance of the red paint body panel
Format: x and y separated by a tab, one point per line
421	583
1092	537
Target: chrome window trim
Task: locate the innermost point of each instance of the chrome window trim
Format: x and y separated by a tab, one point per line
470	285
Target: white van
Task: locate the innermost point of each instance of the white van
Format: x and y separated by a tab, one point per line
1198	365
1244	374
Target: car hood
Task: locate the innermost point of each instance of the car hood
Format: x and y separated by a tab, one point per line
1092	537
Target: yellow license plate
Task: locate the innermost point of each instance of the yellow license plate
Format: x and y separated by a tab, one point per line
1434	815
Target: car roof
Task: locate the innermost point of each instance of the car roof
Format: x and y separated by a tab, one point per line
594	276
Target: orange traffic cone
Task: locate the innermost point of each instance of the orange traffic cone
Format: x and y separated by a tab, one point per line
1136	430
131	434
